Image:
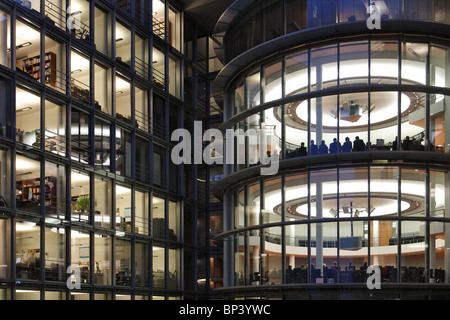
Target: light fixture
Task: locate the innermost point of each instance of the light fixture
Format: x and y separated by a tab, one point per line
333	212
23	45
24	109
76	71
120	39
119	92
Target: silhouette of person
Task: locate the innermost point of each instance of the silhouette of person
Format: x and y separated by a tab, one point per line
335	147
358	145
407	144
301	152
323	149
348	146
313	150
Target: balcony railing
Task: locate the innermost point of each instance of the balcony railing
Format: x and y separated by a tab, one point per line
142	121
55	15
142	68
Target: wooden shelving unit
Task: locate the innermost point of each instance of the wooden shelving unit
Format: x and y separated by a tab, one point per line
30	192
32	66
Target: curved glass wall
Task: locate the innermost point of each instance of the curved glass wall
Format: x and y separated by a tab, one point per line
329	226
263	21
346	98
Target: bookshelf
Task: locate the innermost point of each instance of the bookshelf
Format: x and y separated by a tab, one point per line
32	66
29	192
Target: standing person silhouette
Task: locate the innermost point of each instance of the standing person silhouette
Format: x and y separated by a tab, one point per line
323	149
313	149
358	145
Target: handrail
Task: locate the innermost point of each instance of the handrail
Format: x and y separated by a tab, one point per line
58	15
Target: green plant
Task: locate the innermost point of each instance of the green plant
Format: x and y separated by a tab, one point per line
83	204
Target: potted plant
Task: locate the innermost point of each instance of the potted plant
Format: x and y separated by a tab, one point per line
83	204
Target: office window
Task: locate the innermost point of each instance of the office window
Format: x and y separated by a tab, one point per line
272	82
54	190
158	63
159	217
123	99
103	88
5	252
103	202
414	62
28	46
55	128
141	56
123	153
80	248
175	34
142	212
159	267
5	32
175	77
55	13
80	197
80	136
141	111
142	265
28	182
352	10
5	109
174	269
159	18
102	31
55	64
28	295
123	44
28	250
28	115
272	21
5	178
103	259
253	87
159	116
123	262
80	84
174	220
78	22
295	15
102	145
123	208
142	165
159	172
55	250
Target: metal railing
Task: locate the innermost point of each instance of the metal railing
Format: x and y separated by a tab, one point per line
80	90
158	78
55	143
142	121
57	79
55	15
142	68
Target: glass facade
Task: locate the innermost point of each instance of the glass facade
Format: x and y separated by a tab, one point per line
309	120
265	21
364	221
79	199
355	119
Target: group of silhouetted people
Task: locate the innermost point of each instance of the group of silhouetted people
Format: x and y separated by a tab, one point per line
358	145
